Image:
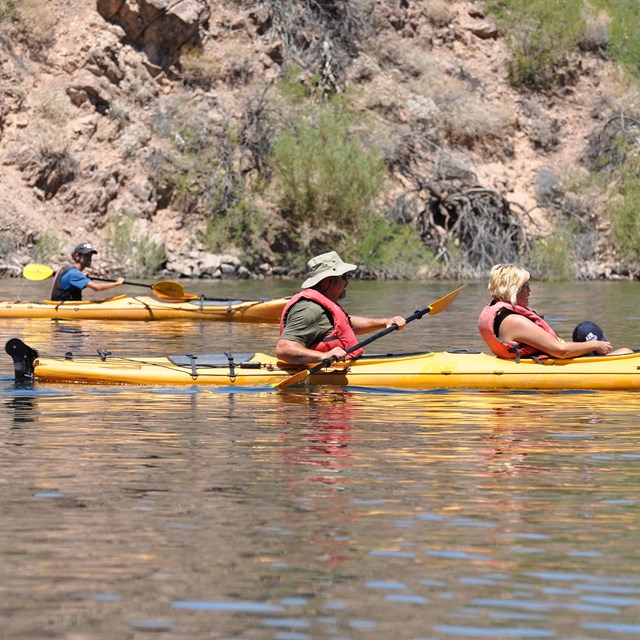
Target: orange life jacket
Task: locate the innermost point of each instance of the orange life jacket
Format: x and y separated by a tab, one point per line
342	334
486	325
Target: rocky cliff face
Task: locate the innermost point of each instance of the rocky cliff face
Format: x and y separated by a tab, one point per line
83	102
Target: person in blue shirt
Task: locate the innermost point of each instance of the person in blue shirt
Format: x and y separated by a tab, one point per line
70	281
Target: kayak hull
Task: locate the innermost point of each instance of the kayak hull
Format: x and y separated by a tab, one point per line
137	308
436	370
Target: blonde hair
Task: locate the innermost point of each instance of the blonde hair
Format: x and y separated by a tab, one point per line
505	281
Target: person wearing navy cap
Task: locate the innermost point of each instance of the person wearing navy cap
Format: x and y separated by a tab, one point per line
512	330
70	281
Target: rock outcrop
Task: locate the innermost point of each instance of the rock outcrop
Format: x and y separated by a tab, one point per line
160	28
85	112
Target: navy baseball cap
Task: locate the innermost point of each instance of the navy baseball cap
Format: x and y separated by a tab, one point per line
83	248
587	331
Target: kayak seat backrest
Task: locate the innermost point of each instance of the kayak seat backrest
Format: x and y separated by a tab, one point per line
211	361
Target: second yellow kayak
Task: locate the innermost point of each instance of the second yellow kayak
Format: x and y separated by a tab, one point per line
149	308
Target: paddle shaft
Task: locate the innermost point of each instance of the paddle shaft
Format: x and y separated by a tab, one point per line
133	284
416	315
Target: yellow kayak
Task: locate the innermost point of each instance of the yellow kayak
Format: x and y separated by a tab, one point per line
148	308
435	370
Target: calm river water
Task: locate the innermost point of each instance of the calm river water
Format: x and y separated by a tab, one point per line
184	513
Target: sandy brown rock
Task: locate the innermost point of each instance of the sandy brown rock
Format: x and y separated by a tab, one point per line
75	116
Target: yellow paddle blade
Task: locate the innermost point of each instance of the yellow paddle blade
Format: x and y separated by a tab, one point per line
296	378
37	272
183	298
169	289
441	304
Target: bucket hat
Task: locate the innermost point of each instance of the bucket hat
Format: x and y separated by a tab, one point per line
326	265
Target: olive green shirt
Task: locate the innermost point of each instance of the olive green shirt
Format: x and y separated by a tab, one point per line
307	323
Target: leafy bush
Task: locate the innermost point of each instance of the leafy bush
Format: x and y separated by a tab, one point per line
382	248
624	35
542	34
244	226
198	169
323	174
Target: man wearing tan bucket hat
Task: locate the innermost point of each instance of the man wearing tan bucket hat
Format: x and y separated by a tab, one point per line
314	326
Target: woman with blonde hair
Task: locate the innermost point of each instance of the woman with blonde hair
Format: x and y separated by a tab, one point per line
512	330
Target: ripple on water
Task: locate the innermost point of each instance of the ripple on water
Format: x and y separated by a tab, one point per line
212	605
494	632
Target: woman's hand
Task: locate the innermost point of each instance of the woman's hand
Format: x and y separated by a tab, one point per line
602	347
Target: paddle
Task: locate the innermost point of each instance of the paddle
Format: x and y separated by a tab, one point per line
433	309
165	288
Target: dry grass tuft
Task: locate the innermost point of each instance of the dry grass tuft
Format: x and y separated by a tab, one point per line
39	20
231	63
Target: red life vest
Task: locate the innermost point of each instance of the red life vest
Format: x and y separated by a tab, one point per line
342	335
486	324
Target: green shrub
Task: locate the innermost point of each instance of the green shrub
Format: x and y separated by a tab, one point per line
541	35
624	211
243	227
135	254
199	168
624	35
543	32
8	10
323	174
382	248
553	257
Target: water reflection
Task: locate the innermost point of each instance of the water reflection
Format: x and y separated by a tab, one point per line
21	405
313	513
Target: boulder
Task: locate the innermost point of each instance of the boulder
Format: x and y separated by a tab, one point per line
159	27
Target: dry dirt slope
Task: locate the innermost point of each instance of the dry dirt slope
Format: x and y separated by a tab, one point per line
526	133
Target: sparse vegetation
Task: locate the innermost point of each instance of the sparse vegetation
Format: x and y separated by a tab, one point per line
231	63
365	141
542	36
624	211
8	10
386	249
553	257
47	249
244	227
132	251
544	33
34	19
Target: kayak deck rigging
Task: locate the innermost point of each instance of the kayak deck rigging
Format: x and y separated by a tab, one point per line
422	370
